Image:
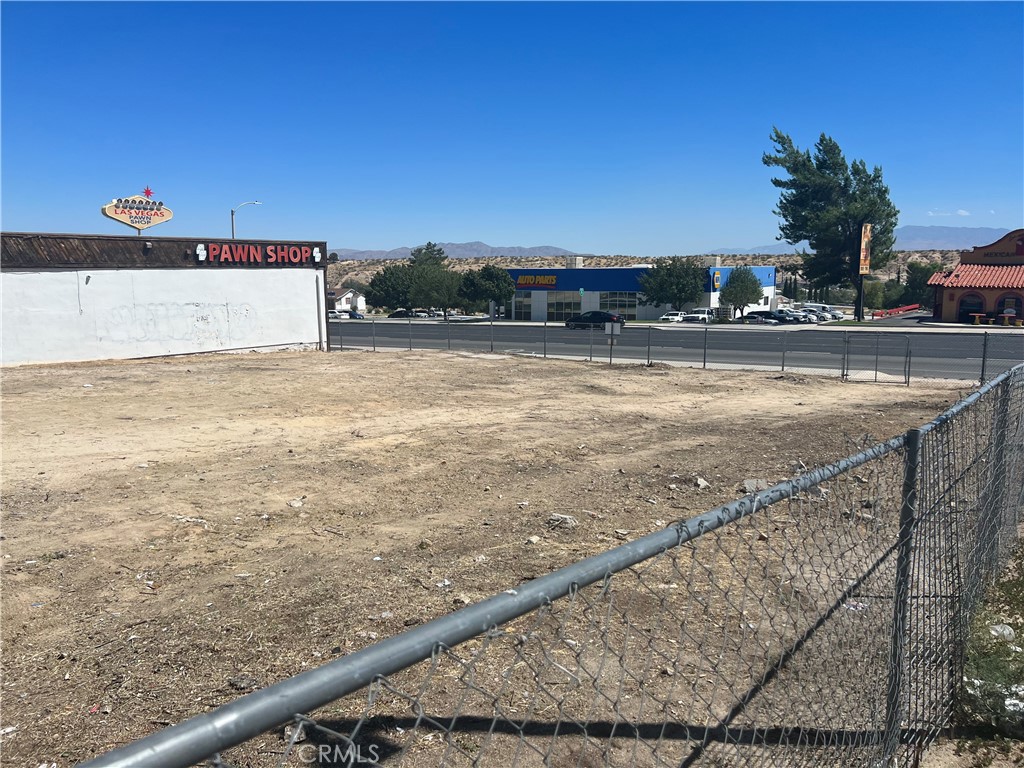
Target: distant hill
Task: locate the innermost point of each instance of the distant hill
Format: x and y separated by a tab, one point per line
361	271
910	238
945	238
474	250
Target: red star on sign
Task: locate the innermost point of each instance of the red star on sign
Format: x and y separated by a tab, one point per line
147	192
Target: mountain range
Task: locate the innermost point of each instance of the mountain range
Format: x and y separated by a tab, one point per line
474	250
909	238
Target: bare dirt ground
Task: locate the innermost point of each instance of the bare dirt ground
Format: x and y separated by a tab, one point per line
179	531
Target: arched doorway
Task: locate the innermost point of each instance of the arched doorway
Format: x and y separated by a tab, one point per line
971	303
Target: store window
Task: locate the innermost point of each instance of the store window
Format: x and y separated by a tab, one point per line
620	303
522	308
1010	305
563	304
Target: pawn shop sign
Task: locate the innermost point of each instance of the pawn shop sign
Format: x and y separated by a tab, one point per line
138	211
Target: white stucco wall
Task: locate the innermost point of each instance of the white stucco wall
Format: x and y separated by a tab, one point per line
66	315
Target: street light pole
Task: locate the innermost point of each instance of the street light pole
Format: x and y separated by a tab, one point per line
251	202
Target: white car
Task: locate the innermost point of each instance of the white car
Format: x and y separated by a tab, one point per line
797	315
699	315
337	314
671	317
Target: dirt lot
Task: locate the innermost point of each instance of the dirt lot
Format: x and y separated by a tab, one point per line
179	531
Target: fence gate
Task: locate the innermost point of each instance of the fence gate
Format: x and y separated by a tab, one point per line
876	357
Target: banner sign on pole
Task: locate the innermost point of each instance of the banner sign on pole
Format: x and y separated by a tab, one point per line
865	249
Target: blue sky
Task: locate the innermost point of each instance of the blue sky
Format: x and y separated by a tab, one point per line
602	128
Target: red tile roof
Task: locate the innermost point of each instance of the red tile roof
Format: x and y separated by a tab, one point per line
980	276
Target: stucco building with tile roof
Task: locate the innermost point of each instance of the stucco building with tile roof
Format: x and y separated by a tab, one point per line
986	286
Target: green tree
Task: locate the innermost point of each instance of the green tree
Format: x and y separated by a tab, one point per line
742	288
428	255
825	201
390	287
894	292
874	294
674	281
434	285
917	289
488	283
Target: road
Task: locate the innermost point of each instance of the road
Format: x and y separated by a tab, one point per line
884	354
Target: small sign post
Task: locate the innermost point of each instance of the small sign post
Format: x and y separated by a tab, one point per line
611	330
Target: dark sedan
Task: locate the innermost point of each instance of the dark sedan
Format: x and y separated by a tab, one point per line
595	319
768	314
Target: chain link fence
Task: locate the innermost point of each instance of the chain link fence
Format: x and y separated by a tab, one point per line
856	355
821	621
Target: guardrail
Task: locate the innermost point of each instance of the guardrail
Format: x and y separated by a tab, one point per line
895	311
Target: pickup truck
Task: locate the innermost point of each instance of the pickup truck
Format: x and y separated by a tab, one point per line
699	315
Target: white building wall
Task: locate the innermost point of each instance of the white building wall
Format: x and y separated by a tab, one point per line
89	314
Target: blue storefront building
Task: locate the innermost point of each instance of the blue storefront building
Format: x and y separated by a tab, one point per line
556	294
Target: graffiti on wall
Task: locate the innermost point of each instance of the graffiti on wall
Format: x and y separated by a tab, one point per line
202	324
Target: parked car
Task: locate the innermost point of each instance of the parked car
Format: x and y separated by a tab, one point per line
699	315
766	316
671	317
401	313
337	314
822	308
594	319
795	315
816	315
356	315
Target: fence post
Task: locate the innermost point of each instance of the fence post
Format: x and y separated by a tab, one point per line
844	373
448	325
901	595
591	343
410	333
785	335
492	330
705	346
878	339
906	367
373	333
649	328
984	357
545	337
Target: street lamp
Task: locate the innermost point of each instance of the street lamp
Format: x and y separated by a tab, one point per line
251	202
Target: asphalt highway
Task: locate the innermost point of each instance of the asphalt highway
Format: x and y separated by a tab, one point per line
890	353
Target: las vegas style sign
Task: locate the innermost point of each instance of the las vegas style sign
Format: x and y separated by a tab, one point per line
138	211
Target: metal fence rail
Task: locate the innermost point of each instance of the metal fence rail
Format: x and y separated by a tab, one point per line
819	622
859	355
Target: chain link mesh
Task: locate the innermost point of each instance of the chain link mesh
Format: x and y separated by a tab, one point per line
825	629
